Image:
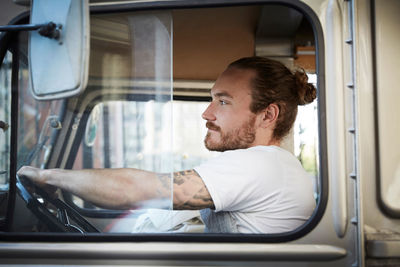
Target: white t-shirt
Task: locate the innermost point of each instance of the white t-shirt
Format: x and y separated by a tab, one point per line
264	188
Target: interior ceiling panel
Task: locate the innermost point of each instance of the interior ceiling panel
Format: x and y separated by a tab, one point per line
207	40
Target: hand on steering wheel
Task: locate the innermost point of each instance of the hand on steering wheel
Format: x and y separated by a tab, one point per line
58	220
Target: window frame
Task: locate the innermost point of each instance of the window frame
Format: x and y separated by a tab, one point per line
319	211
9	42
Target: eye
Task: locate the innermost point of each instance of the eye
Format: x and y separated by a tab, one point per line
222	102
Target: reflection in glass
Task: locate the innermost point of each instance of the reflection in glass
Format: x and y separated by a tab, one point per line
129	102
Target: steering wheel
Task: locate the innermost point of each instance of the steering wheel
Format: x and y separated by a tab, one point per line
62	219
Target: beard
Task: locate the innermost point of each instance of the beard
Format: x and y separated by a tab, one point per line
239	138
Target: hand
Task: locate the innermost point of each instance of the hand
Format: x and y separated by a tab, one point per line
37	176
34	174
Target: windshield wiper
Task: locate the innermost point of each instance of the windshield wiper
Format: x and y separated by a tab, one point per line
32	154
51	121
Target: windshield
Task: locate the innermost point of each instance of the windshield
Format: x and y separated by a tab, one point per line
38	121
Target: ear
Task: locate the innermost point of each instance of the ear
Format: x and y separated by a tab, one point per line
269	115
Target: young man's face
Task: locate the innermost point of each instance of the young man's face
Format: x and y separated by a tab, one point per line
230	122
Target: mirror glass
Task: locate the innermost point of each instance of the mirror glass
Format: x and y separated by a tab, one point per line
59	67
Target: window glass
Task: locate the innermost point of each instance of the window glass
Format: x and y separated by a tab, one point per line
129	111
150	76
187	122
127	134
142	142
131	61
306	140
5	119
5	114
38	123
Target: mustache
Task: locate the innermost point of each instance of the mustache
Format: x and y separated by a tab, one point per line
212	126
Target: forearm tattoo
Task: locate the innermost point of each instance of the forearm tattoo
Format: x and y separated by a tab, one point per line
190	192
164	188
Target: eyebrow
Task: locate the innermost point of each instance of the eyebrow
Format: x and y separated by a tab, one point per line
221	94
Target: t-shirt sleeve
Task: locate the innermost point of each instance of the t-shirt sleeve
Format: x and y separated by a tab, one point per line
236	182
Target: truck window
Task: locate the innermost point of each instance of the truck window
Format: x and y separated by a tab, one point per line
150	77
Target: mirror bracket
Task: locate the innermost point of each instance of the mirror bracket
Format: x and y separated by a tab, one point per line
49	30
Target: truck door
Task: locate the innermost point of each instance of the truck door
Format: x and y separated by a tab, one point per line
323	34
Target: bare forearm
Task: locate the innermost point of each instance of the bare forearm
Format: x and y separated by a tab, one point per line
126	188
107	188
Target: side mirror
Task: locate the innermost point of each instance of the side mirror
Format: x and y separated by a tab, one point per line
58	65
92	125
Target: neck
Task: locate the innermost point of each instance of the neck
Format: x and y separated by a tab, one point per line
269	142
265	138
274	143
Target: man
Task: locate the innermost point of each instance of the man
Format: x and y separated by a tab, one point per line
254	186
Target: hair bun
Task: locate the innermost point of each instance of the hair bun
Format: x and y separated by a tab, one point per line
306	91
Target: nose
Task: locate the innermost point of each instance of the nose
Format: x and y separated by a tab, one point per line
208	114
